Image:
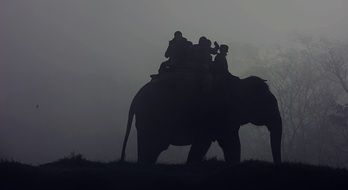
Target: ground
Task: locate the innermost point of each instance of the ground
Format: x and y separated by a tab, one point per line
78	173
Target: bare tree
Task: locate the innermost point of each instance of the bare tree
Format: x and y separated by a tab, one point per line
308	80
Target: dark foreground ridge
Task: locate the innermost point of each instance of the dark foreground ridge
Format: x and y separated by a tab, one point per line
78	173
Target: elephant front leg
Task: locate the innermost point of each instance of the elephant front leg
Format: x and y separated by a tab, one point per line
230	144
198	151
149	147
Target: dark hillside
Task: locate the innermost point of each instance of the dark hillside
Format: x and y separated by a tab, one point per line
79	173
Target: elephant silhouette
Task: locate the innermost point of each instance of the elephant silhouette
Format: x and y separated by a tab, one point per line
173	111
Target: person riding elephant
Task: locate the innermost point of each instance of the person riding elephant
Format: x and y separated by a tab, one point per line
177	50
220	65
202	52
202	59
222	76
172	111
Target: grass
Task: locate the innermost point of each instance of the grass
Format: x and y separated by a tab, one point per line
76	172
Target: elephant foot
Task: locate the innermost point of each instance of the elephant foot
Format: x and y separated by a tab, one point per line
197	152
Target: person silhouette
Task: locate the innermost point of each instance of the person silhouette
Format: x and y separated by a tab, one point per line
222	76
177	53
220	65
202	59
202	53
177	48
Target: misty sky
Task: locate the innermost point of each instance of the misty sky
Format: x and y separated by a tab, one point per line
82	61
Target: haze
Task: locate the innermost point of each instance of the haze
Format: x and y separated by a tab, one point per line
69	69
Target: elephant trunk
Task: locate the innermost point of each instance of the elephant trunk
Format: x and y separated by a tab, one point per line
275	130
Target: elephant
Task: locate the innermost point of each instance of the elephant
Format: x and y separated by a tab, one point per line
174	110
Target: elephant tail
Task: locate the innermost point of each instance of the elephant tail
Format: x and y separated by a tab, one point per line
129	125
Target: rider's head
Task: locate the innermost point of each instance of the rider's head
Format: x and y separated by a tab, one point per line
202	40
223	48
177	34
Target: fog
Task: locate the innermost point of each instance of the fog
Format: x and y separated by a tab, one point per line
69	69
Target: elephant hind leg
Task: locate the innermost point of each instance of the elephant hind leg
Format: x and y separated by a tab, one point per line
230	144
198	151
149	149
148	155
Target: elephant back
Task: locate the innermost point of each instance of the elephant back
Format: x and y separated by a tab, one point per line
183	80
